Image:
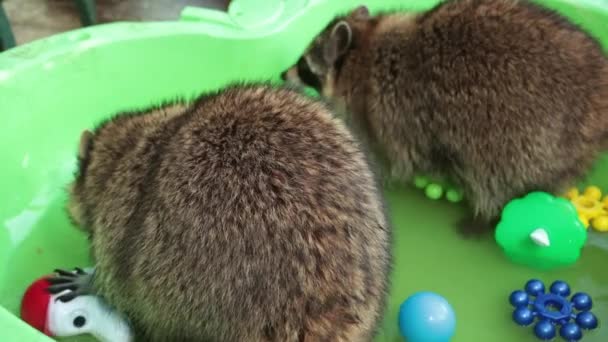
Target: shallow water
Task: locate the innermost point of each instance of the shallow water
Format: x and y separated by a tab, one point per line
473	275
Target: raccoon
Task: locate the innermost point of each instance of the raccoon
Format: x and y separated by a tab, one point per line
250	214
502	97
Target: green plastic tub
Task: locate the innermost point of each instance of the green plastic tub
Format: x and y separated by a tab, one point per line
52	89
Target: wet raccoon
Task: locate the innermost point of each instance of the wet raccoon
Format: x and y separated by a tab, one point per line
249	215
503	97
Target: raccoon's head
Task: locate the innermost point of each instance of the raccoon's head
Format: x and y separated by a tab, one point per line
322	61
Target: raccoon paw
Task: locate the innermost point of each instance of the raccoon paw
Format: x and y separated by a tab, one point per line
77	282
473	227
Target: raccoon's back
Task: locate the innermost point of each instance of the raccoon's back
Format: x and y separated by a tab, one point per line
254	201
497	67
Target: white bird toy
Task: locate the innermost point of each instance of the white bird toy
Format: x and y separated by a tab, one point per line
85	314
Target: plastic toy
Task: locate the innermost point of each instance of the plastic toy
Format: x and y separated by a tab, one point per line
426	317
80	315
541	231
434	190
553	309
592	209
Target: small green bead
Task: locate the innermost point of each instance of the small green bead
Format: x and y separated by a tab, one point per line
420	182
434	191
454	195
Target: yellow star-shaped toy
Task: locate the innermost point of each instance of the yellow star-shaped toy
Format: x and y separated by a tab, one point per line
592	209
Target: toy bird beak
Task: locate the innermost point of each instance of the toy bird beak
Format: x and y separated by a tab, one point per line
540	237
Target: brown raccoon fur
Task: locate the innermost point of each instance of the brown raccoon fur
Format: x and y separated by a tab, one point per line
501	96
249	215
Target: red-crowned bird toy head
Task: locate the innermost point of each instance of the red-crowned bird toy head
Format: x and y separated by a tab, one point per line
35	305
84	314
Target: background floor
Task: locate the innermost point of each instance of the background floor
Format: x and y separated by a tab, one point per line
34	19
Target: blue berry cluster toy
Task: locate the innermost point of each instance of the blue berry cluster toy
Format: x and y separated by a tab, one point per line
553	309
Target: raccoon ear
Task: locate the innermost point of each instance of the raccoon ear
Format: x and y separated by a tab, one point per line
86	138
360	13
338	43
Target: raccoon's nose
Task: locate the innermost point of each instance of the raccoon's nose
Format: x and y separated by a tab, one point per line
284	75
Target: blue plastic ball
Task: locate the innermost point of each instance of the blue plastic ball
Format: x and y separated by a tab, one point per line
426	316
582	301
571	332
519	298
586	320
560	288
544	330
523	316
535	287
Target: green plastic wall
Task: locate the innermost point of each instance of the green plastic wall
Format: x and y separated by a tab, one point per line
50	90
